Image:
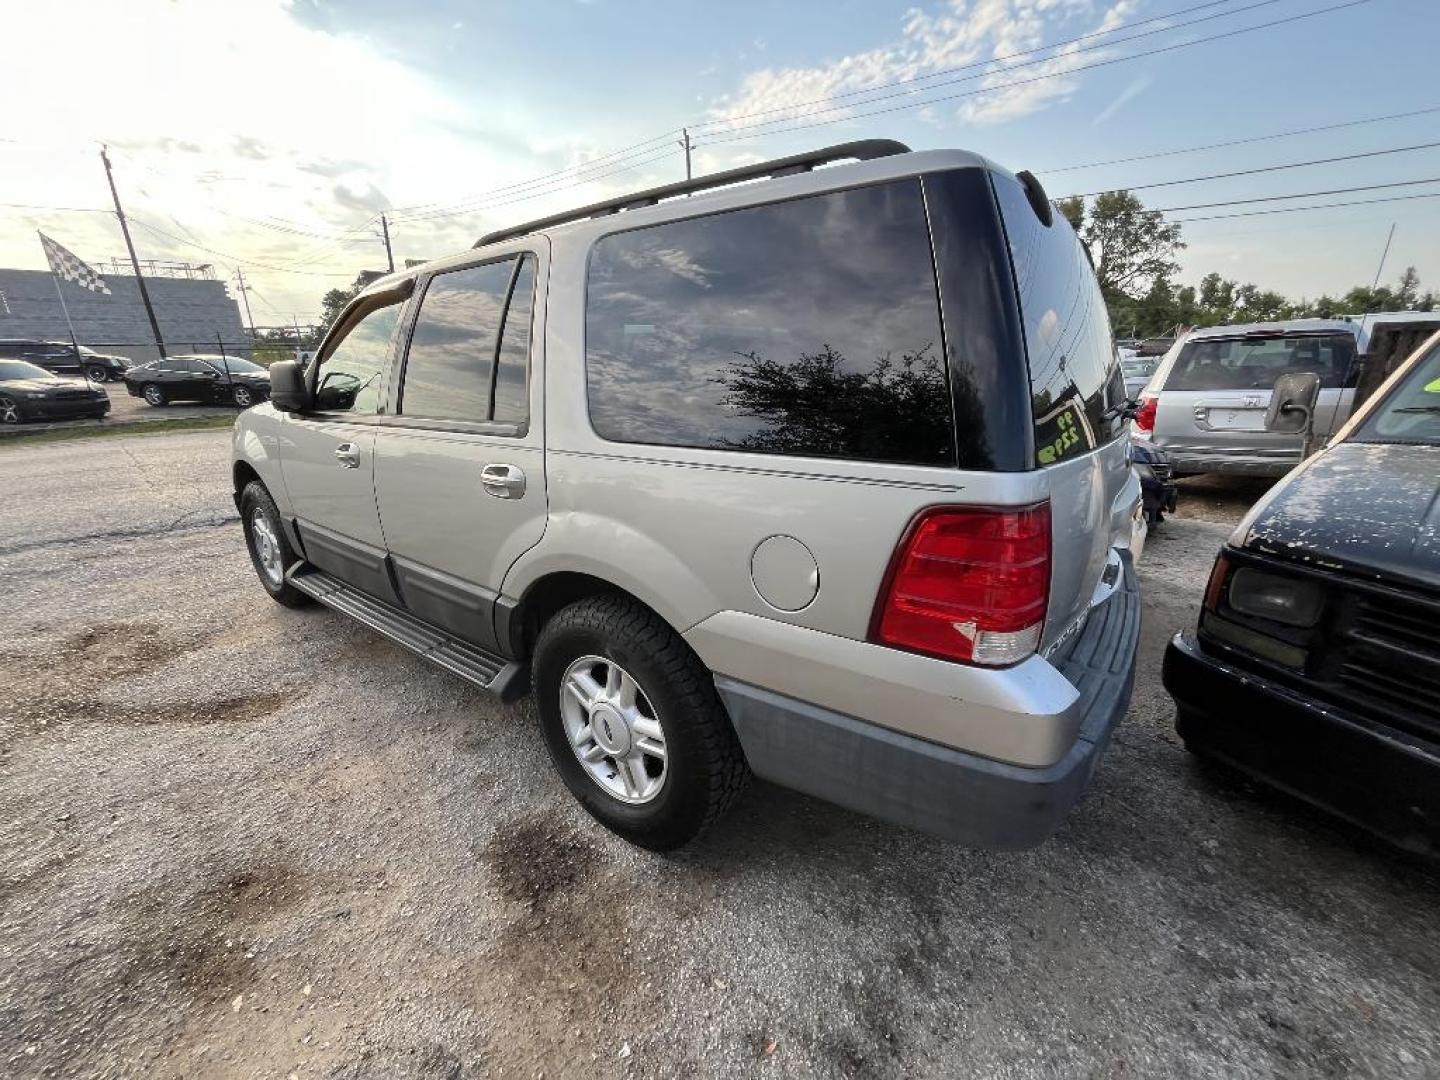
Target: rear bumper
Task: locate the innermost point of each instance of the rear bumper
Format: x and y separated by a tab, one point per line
1375	777
920	784
1186	458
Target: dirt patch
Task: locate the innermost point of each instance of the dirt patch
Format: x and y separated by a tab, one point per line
36	715
572	976
93	656
534	860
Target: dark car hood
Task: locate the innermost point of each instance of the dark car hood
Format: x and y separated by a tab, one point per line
29	386
1369	508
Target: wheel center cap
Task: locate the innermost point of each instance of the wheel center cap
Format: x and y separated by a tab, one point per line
612	733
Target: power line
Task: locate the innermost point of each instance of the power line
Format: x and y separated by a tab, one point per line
233	258
1297	195
989	61
743	136
1242	142
58	209
1264	169
633	150
995	66
1320	206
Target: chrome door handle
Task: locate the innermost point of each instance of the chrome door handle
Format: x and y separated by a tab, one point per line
503	481
348	455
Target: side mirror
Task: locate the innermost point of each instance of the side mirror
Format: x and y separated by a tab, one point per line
287	386
1292	404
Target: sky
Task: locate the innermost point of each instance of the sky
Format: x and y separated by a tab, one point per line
268	135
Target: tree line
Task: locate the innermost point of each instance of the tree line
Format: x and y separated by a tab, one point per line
1135	249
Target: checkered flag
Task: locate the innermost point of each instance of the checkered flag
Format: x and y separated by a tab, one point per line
70	267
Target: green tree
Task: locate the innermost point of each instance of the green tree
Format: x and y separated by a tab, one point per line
332	303
1132	246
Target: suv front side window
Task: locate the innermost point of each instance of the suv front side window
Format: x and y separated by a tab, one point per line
348	379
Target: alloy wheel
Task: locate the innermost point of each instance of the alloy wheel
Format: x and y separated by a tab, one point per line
267	547
243	398
9	411
154	396
613	729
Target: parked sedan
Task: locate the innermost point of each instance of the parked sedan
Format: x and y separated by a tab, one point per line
1316	662
212	379
29	392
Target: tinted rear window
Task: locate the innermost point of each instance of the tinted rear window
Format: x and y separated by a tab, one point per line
1074	373
1254	363
809	327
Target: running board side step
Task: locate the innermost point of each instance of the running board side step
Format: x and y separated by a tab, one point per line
507	679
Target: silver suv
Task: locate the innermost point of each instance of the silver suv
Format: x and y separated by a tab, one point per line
819	476
1205	406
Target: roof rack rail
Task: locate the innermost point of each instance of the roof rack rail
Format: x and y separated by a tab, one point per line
862	150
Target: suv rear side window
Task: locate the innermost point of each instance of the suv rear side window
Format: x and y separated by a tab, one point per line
1256	361
451	370
809	327
1074	372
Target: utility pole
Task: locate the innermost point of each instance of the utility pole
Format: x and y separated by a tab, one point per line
389	257
685	144
134	262
245	296
1383	256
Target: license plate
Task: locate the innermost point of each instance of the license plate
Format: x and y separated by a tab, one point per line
1237	419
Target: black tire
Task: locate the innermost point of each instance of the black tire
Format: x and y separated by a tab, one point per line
97	374
154	395
256	499
9	410
705	767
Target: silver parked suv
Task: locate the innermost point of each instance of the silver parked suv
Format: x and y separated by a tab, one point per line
820	477
1205	405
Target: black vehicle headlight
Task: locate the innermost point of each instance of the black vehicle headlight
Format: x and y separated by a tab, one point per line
1288	600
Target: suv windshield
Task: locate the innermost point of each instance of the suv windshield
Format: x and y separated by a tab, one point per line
1411	412
18	369
1255	361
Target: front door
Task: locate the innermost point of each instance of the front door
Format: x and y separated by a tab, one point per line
327	457
460	466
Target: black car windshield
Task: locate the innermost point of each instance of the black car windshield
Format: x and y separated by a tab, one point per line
1410	413
1254	362
234	364
10	370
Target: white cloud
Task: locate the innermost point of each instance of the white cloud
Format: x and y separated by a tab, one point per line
232	114
963	33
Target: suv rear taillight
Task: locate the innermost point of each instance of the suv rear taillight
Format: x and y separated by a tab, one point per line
1145	415
968	584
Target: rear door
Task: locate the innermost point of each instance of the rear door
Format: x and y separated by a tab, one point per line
460	466
1076	388
327	455
1217	391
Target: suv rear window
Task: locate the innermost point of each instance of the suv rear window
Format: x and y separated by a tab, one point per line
809	327
1254	362
1074	372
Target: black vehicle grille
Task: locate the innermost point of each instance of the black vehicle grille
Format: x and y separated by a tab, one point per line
1161	470
72	395
1388	653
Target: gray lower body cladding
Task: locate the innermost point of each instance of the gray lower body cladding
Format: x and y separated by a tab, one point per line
912	782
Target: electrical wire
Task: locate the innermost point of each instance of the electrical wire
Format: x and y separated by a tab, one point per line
1297	195
745	136
1263	169
227	255
1297	209
1243	142
911	80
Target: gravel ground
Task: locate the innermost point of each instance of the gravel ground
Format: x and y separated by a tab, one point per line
246	841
